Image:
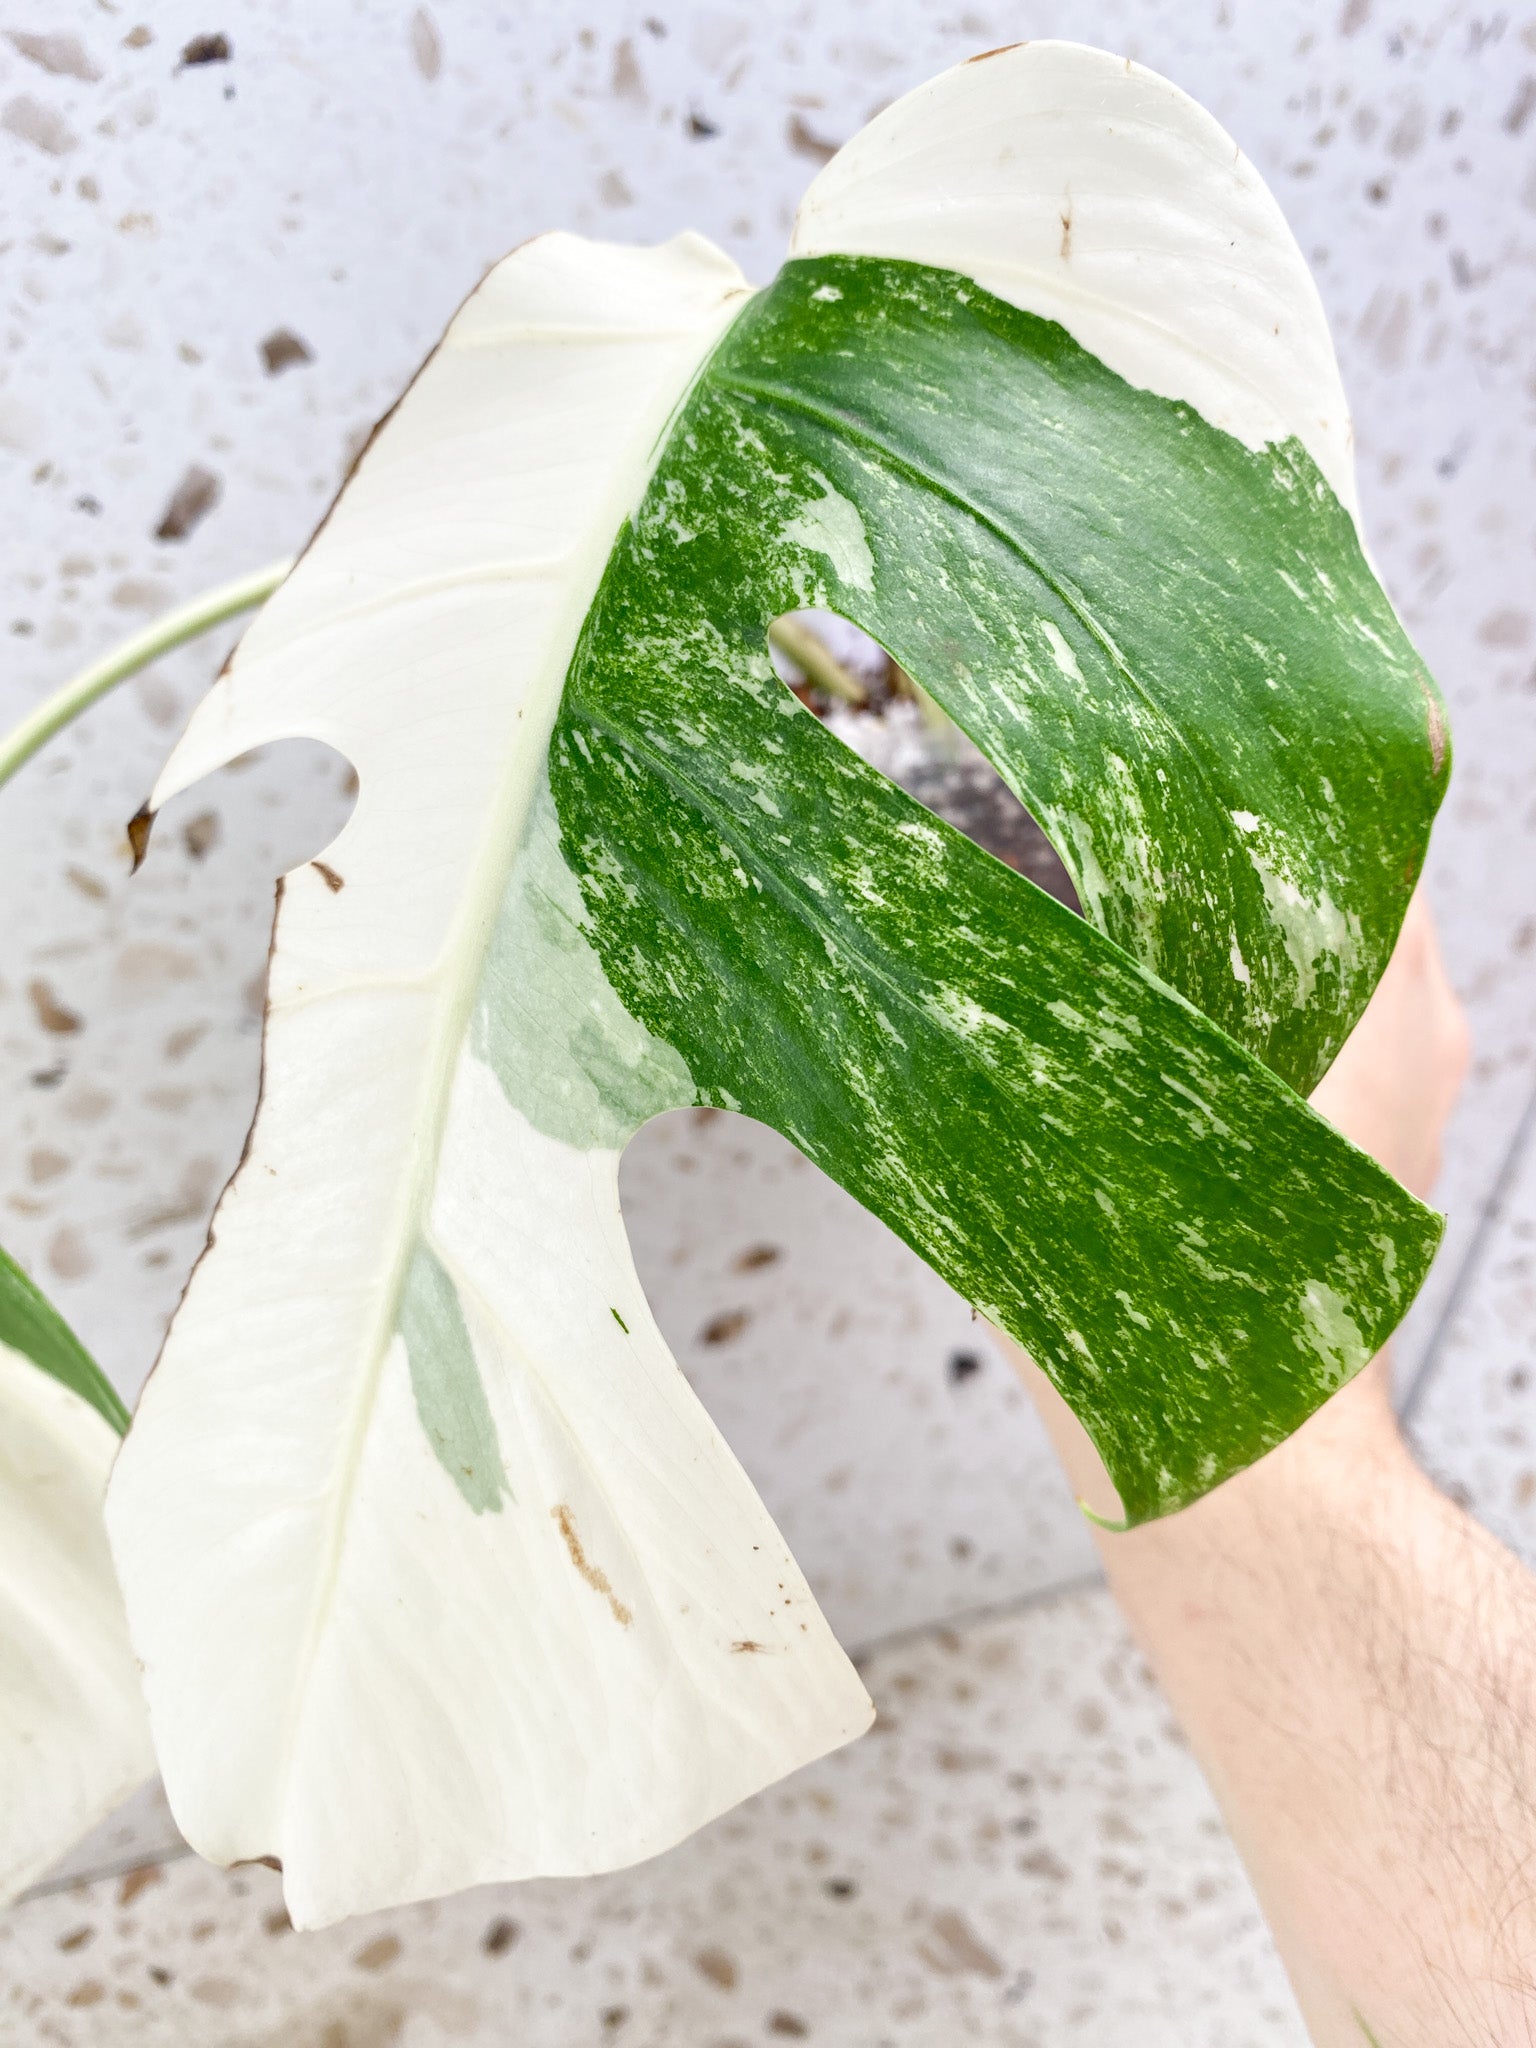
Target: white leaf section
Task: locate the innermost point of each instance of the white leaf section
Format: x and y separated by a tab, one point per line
1084	188
74	1741
438	1571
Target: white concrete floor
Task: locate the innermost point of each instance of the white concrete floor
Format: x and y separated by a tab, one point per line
1022	1852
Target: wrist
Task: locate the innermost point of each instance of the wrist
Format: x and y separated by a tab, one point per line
1352	1434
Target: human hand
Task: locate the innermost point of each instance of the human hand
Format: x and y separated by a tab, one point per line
1352	1658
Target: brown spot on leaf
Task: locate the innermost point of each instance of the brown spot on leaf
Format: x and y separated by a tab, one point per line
379	1953
1001	51
44	127
190	503
45	1165
50	1012
334	882
717	1966
722	1328
1066	231
139	38
88	1993
426	45
747	1648
63	56
214	49
804	143
284	350
77	1938
594	1575
953	1950
789	2024
1355	15
500	1936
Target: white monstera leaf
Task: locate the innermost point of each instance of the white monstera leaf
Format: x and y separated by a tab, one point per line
74	1737
438	1571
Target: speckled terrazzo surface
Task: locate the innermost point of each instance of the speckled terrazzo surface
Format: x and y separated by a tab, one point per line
224	271
1022	1853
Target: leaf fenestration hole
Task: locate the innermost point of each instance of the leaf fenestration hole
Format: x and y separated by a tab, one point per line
868	702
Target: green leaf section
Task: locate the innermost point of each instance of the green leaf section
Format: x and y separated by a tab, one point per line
1174	650
30	1324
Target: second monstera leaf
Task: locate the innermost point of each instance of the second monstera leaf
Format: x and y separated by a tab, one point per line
74	1740
438	1571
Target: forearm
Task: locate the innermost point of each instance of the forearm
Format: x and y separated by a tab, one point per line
1354	1662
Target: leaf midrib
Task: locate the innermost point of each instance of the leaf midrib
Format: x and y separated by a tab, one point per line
841	425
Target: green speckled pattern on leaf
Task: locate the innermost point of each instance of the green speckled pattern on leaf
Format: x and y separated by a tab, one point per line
1174	650
30	1324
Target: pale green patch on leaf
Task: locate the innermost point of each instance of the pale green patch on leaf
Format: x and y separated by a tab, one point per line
445	1378
546	1020
437	1569
434	1561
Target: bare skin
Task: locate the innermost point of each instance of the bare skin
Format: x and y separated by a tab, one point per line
1352	1657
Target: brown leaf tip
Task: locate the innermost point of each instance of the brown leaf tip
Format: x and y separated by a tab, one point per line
140	825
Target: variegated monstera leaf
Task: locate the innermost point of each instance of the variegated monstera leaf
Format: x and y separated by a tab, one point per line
437	1569
74	1740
